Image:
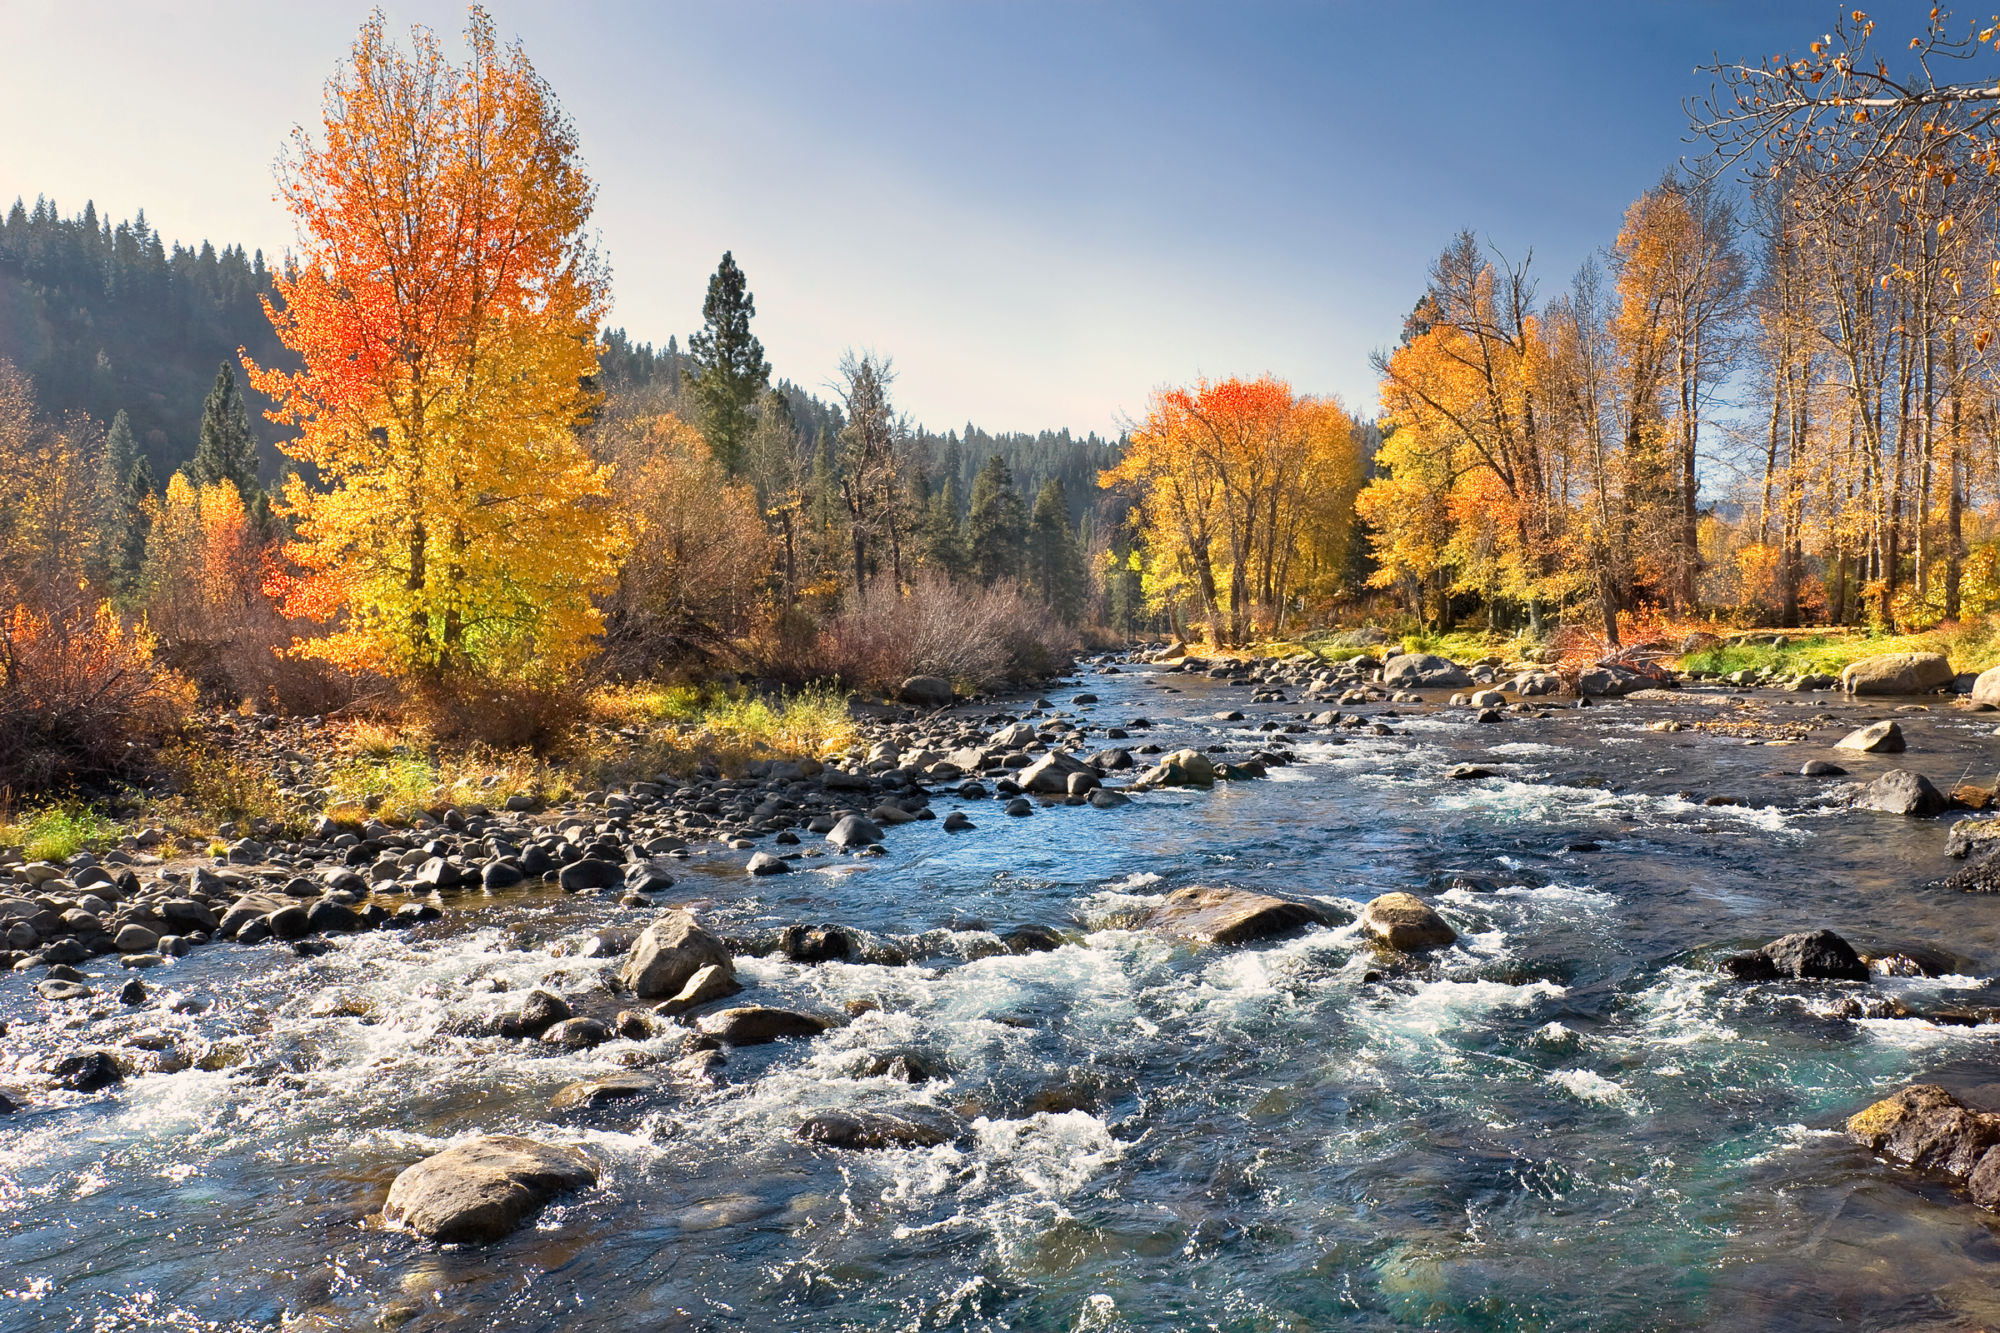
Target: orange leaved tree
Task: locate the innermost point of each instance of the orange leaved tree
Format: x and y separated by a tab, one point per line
444	302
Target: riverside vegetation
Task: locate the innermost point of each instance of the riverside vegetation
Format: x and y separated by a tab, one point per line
529	922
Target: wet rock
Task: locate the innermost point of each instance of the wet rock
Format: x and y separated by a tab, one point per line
588	874
1897	673
1530	684
502	874
484	1189
577	1034
135	938
1901	792
669	953
592	1094
1018	807
754	1025
132	992
540	1011
1230	916
854	831
328	915
59	992
1883	737
1410	671
287	923
925	692
704	987
1969	836
1816	955
1105	799
1182	768
763	863
1924	1127
1052	774
1609	680
1470	773
815	944
1405	923
907	1127
1031	939
86	1071
1821	768
904	1067
956	822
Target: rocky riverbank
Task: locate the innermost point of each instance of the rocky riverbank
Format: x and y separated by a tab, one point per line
671	994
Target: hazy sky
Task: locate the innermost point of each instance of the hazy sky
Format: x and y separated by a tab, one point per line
1040	211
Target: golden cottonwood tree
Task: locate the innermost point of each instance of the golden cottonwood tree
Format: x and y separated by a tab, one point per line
444	301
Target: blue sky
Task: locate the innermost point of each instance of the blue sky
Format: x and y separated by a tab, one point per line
1040	211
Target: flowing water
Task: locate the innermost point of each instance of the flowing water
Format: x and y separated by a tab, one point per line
1566	1121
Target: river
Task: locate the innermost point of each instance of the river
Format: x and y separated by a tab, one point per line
1569	1120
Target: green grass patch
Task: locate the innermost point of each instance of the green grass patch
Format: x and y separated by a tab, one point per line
813	721
1972	645
58	832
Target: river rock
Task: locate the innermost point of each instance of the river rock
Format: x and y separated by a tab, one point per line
1426	671
754	1025
1051	773
925	692
854	831
483	1189
1969	836
1807	955
135	938
1821	768
1405	923
1925	1127
593	1093
1986	687
58	991
1883	737
1897	673
1609	680
956	822
86	1071
1901	792
589	873
1532	684
1106	799
906	1127
540	1011
1230	916
577	1034
763	863
714	982
669	953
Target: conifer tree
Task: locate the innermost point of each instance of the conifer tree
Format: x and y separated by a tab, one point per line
729	367
1054	566
227	450
123	483
997	524
943	534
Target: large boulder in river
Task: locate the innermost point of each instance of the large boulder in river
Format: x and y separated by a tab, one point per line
483	1189
1051	773
1230	916
669	953
854	831
925	692
1182	768
1986	688
1897	673
1405	923
1608	680
1883	737
754	1025
1425	671
1925	1127
1901	792
1806	955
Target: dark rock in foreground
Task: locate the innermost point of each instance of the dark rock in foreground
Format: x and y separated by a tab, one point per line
1816	955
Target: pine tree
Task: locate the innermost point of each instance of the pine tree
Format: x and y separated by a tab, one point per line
1054	564
943	534
123	482
997	525
227	450
729	367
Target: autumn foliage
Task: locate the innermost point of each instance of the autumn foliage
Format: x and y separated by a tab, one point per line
1244	491
444	300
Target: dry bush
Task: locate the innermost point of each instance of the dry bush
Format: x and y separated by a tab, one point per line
975	637
496	713
81	696
202	590
700	561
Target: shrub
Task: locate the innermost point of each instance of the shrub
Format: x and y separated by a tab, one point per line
58	832
975	637
81	696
